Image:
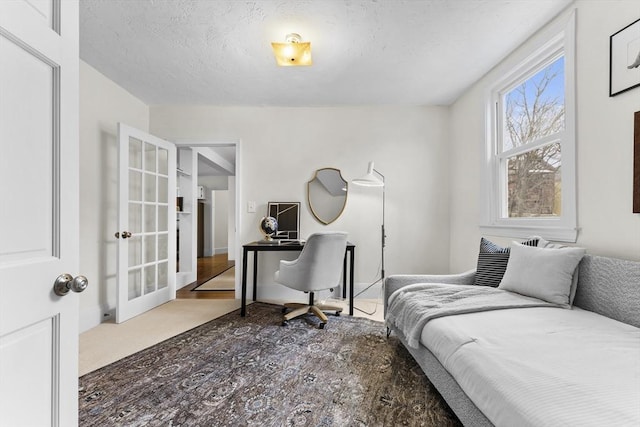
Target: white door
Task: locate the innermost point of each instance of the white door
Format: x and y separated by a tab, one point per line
38	212
147	222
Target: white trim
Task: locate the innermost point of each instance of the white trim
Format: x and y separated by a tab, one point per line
90	317
558	234
560	39
540	142
238	196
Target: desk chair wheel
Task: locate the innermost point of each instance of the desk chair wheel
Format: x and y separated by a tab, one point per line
321	325
338	313
284	323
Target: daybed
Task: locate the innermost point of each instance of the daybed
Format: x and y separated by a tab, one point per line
536	366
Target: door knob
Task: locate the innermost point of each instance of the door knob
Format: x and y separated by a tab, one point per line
65	283
125	234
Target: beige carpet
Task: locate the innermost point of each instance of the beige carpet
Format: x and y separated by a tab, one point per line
109	341
225	281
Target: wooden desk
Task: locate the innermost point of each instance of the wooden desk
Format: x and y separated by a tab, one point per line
256	247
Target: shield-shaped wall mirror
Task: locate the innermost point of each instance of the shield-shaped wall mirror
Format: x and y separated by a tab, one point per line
327	195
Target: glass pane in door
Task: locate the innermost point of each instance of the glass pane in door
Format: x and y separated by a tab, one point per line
149	279
163	269
135	153
149	248
135	251
149	157
135	185
163	247
135	283
163	187
149	187
163	161
163	218
149	218
135	218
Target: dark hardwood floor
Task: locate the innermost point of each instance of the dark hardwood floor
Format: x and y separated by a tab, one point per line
208	267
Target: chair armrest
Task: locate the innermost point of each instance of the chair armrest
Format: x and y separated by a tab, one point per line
397	281
286	273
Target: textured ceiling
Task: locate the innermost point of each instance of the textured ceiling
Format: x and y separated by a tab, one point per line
402	52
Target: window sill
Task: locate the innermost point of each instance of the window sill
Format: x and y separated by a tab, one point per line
557	234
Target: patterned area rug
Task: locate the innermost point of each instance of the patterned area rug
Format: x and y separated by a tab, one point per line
251	371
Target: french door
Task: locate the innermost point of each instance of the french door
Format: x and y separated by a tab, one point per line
39	243
147	222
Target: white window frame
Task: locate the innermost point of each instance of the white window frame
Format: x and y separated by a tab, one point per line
560	40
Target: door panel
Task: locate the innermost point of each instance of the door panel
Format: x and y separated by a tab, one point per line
27	373
29	79
38	212
147	183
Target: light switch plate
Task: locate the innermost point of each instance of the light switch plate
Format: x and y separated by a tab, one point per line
251	207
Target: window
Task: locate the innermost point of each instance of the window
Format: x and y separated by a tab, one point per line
530	144
530	164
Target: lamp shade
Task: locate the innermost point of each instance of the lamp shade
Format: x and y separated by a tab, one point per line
369	179
293	52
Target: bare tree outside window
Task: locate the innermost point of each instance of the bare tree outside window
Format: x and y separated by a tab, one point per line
534	114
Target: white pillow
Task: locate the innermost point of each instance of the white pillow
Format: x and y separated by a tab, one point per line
542	273
542	243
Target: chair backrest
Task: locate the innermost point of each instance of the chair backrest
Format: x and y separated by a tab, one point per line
319	265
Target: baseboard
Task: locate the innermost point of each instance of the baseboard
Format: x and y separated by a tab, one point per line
218	251
185	278
93	316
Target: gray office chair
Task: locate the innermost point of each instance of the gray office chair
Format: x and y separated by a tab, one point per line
318	267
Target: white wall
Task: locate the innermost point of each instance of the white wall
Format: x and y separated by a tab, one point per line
282	147
218	210
604	145
102	105
221	221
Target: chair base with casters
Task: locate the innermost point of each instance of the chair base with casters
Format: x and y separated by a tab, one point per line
299	309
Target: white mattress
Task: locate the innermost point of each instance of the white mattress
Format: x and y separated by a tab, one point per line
542	366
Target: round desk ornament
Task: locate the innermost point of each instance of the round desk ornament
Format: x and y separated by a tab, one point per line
268	227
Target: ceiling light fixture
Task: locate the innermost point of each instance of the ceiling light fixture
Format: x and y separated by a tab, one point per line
293	52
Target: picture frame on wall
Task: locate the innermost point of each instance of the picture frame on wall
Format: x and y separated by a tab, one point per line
624	59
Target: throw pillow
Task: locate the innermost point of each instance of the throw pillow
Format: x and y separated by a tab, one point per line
542	273
574	284
492	262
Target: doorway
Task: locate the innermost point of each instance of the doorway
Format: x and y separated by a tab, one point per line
213	246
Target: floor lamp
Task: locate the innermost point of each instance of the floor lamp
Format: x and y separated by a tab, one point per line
373	178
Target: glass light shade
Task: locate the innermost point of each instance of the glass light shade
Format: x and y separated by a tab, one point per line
369	179
292	54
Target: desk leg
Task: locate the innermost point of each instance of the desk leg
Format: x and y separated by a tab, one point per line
255	275
243	305
344	276
351	268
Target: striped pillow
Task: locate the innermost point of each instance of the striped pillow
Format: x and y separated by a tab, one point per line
492	262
